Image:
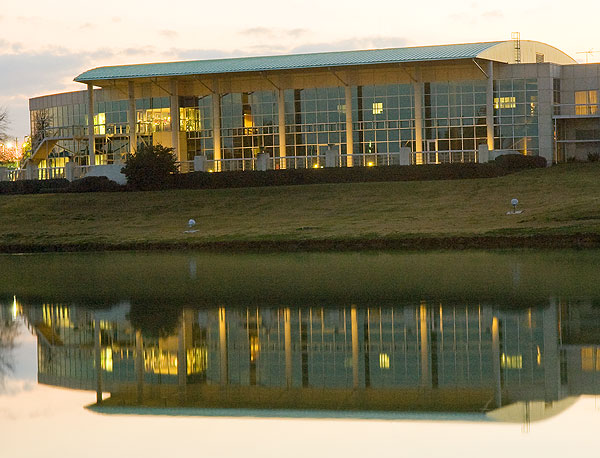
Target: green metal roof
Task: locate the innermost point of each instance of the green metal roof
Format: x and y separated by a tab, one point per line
289	62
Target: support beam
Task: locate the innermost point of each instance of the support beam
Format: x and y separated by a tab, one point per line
355	347
223	347
288	346
175	120
489	104
91	140
496	361
349	136
139	365
418	96
281	117
98	359
216	112
132	120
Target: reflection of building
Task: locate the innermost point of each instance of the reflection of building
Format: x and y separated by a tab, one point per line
436	104
434	357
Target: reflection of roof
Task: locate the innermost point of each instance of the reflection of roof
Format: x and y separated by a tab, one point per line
289	62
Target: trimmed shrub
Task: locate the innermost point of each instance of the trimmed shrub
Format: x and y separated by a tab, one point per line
593	157
150	167
514	162
33	186
94	184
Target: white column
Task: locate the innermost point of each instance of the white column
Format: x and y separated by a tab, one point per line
91	142
489	106
287	315
223	360
355	347
132	120
551	355
418	96
281	115
98	359
175	120
496	361
349	139
216	111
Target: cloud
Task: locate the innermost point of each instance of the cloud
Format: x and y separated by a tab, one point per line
352	44
87	26
171	34
494	14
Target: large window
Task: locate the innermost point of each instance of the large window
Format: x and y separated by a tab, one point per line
516	115
586	102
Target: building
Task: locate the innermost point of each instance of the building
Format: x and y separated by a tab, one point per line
410	356
434	104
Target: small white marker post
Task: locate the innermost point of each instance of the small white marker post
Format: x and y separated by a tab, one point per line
514	211
191	224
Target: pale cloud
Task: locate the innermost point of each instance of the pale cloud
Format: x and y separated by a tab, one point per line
494	14
352	44
168	33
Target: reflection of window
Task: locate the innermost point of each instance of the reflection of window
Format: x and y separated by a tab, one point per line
377	108
590	359
505	102
586	102
384	361
511	361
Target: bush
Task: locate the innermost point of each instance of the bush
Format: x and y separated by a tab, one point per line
94	184
593	157
33	186
150	167
514	162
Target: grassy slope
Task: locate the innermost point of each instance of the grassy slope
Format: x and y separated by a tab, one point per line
560	200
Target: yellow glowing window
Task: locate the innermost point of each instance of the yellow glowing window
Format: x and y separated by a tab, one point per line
377	108
197	359
160	362
254	348
590	359
505	102
341	108
511	361
586	102
384	361
106	359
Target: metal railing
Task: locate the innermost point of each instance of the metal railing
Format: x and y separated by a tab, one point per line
576	109
272	163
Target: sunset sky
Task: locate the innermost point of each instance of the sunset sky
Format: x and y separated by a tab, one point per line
44	45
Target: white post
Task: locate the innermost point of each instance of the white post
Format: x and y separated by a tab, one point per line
3	174
418	96
404	156
132	119
281	115
483	154
489	111
91	141
199	164
175	120
70	171
331	156
216	105
349	135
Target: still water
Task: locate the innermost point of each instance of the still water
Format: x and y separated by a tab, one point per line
406	354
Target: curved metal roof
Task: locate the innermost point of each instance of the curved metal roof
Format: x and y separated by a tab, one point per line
288	62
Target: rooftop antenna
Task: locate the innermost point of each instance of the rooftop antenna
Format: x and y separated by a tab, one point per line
516	37
587	54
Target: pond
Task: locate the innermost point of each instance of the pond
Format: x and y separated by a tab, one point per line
424	354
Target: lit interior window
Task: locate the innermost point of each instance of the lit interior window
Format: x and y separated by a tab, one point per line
377	108
511	361
505	102
106	359
384	361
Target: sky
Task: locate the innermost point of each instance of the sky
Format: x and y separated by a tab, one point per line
44	45
61	427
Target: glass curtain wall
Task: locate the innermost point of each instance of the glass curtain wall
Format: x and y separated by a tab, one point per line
454	120
249	126
383	121
195	119
314	118
516	115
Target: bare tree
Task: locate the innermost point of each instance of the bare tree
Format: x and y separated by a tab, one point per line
42	121
8	334
3	124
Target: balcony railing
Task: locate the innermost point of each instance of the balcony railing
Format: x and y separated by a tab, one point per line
568	110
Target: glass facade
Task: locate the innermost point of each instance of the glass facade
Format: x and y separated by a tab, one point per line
516	115
452	118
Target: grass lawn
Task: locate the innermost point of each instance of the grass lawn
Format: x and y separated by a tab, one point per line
562	200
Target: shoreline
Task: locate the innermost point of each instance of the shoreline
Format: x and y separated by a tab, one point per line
451	243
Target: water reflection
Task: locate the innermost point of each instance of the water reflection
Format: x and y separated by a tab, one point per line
416	356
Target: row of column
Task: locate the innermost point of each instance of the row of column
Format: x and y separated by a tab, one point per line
216	114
